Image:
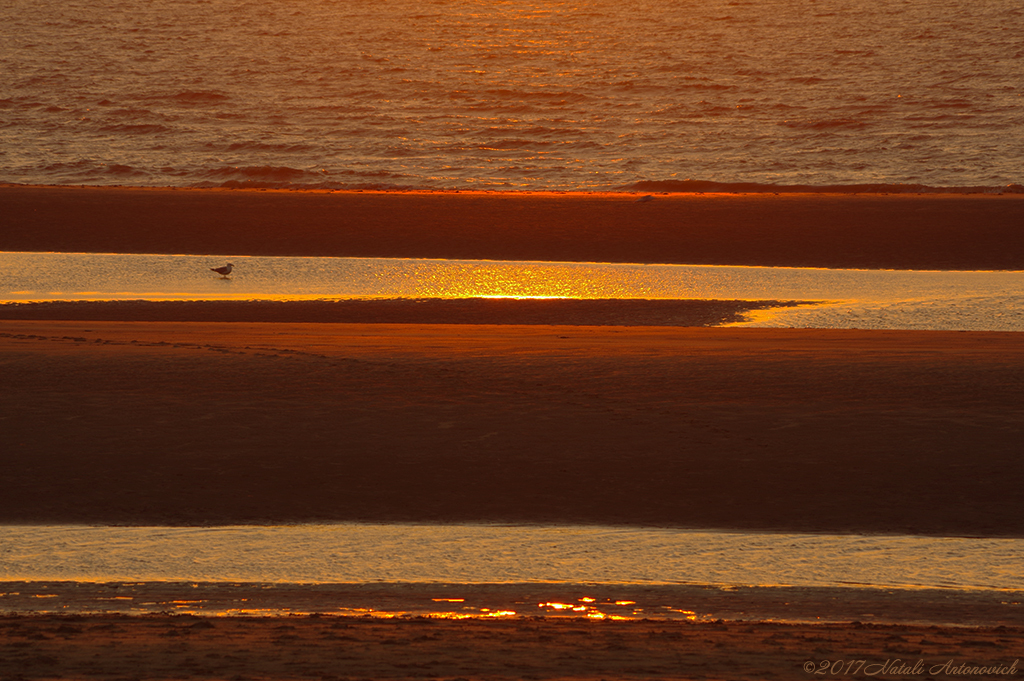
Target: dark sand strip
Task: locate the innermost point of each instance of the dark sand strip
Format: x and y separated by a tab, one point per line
565	312
833	431
800	230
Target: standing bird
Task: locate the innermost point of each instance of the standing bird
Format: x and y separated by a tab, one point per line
223	271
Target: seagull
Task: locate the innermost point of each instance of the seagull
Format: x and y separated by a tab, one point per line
644	199
223	271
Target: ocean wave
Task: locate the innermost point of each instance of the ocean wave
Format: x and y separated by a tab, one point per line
264	146
89	170
514	143
135	129
705	86
130	113
950	104
546	95
123	170
825	124
328	185
283	177
265	173
190	97
193	96
707	186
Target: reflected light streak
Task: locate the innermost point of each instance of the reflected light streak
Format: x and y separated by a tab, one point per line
508	280
690	614
588	610
341	612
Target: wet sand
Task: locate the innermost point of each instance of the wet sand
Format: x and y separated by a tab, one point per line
160	647
797	230
107	420
781	429
473	311
399	410
537	600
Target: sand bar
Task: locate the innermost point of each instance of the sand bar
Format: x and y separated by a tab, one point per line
207	423
797	230
459	311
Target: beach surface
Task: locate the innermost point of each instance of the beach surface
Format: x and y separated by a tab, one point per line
781	429
505	410
165	647
964	232
168	414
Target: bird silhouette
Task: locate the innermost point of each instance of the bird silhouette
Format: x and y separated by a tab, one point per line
223	271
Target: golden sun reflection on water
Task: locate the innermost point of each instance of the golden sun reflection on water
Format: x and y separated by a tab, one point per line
591	609
514	280
196	608
876	299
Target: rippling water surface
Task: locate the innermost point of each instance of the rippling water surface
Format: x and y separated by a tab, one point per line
887	299
468	554
534	94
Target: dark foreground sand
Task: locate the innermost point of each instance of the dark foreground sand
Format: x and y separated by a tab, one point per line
168	647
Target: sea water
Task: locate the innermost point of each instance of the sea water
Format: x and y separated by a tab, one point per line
489	554
875	299
538	94
465	570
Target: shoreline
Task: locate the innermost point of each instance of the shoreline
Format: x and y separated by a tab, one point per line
493	631
937	232
697	603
